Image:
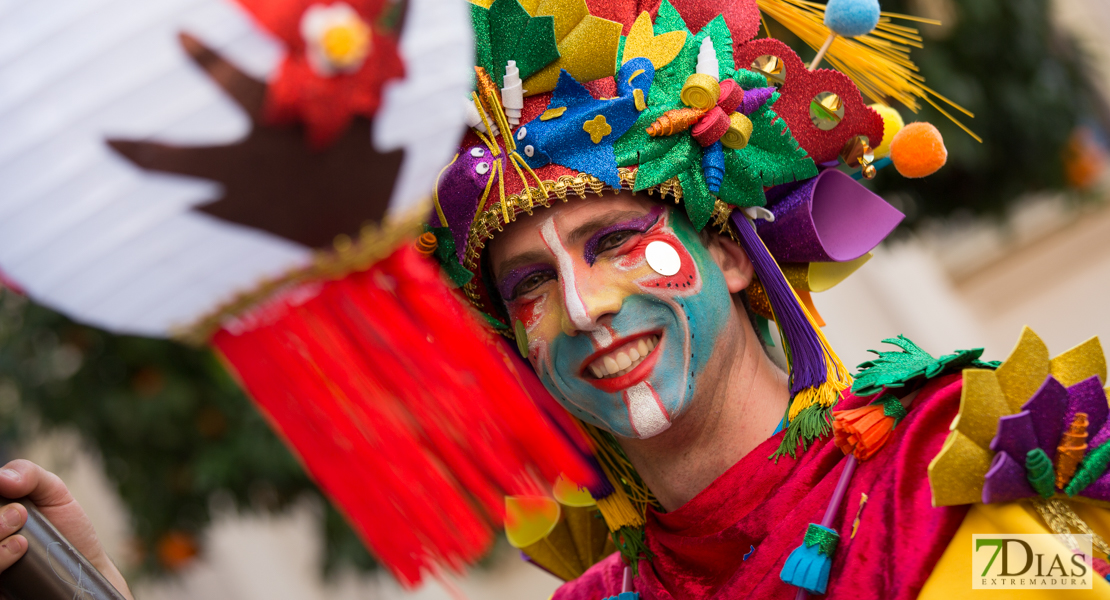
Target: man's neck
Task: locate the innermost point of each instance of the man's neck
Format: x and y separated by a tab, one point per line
729	416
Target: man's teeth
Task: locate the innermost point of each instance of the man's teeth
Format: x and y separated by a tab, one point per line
624	360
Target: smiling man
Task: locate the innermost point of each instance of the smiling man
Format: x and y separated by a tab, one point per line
636	326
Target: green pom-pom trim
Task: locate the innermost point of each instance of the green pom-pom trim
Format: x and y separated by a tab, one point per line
812	423
1039	471
1092	467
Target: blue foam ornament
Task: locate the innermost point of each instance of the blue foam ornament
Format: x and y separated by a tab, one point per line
713	166
808	565
852	18
581	137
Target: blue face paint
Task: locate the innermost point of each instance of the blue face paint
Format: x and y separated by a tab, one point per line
686	311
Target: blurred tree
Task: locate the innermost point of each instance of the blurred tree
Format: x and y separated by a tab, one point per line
174	430
1025	81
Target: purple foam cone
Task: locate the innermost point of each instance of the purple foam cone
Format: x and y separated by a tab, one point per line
829	218
460	188
1006	481
1016	435
1047	408
807	357
755	98
1087	396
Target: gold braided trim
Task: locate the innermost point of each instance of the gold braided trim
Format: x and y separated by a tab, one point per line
1062	520
375	242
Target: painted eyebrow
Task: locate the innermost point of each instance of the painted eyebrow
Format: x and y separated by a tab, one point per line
515	276
590	227
521	260
639	223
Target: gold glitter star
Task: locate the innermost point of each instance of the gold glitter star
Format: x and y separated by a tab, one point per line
597	128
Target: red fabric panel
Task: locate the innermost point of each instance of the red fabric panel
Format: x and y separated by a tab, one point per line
699	548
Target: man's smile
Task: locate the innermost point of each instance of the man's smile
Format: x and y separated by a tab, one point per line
624	363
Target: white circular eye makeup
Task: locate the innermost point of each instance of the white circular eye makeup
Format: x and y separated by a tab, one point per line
520	133
477	152
662	258
482	168
529	151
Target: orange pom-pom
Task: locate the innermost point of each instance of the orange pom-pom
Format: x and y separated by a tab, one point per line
918	150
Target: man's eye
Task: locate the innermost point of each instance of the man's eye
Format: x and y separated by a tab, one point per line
615	240
531	283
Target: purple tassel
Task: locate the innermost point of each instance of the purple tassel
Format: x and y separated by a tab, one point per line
807	357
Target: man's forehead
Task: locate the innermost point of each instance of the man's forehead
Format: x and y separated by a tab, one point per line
576	221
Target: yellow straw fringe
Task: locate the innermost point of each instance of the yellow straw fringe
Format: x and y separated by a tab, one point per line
619	508
879	63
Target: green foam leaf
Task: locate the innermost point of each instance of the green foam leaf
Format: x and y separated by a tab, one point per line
696	197
507	32
898	369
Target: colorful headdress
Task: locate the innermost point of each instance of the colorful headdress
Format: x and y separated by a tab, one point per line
575	97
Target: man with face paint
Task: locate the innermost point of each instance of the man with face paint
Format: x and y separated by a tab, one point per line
635	265
635	325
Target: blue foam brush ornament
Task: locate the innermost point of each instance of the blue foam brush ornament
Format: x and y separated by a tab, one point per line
578	131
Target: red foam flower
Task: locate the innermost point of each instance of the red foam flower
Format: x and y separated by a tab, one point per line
326	102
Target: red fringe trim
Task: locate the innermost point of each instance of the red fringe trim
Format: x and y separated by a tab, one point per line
408	413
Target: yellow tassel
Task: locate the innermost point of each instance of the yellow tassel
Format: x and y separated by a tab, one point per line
879	63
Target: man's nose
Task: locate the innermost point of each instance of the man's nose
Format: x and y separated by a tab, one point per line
588	297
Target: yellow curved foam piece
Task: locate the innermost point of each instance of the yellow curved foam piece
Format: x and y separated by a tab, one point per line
956	473
528	519
659	49
1079	363
569	493
981	404
1024	370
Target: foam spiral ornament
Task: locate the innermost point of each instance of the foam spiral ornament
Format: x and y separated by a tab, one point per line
1038	469
701	91
1073	445
739	131
674	121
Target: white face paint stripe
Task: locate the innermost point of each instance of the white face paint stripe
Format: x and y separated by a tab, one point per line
576	308
603	338
645	411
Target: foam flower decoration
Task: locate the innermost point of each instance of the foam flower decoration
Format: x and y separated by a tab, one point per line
1025	427
338	57
688	136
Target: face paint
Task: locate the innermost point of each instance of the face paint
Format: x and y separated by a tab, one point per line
676	318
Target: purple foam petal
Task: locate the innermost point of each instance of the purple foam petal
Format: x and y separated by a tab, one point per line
1047	408
1006	481
829	218
1016	435
1099	490
755	98
1087	396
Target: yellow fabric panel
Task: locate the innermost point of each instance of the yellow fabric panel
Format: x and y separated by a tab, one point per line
952	576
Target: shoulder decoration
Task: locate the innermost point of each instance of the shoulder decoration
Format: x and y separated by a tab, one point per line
1035	427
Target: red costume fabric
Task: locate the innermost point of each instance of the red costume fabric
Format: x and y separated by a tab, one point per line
699	548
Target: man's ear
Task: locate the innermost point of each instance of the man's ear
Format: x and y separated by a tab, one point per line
733	261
